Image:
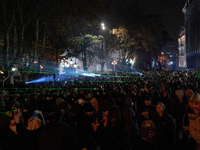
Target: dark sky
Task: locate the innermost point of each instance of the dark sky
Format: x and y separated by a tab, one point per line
173	18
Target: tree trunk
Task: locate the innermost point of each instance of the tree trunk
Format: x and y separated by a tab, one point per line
7	35
36	38
22	40
11	79
102	66
15	39
84	60
24	77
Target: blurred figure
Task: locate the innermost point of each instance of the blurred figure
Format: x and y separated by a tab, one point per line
191	124
166	100
13	140
146	111
129	115
144	141
165	128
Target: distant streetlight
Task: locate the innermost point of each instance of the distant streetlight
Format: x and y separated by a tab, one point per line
103	26
162	53
41	67
114	63
67	65
13	69
71	61
75	65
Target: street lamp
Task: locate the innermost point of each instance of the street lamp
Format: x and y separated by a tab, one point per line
67	65
71	61
114	63
103	26
13	69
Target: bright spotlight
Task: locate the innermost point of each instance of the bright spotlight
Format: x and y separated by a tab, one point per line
171	62
102	24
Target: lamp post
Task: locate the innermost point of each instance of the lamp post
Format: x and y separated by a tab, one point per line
114	63
71	64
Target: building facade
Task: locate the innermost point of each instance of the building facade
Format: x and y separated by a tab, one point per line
191	12
182	64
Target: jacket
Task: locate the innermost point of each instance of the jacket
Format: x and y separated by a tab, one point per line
191	124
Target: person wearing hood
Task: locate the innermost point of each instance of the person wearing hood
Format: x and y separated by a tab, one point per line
165	127
145	140
166	100
146	111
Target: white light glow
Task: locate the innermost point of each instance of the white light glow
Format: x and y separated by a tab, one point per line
13	69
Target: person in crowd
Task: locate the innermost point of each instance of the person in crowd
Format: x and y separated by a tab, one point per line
145	140
87	144
146	111
188	94
179	104
113	136
13	140
106	102
129	115
191	119
166	100
36	121
165	127
155	95
95	104
68	117
140	96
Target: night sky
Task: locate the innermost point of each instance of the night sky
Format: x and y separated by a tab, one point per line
173	18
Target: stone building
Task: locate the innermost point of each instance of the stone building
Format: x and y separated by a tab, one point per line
182	64
191	12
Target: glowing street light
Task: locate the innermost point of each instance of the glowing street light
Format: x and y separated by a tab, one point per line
67	65
103	26
114	63
71	62
41	67
13	69
75	65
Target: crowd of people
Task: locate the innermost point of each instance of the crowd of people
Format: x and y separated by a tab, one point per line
156	111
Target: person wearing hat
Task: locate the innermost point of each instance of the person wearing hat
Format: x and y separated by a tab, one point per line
145	111
145	140
191	121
